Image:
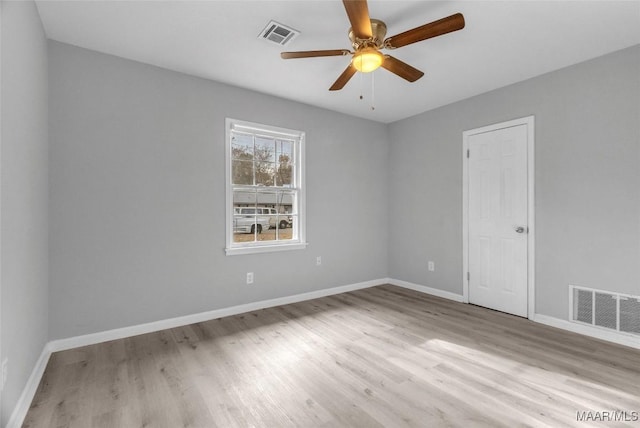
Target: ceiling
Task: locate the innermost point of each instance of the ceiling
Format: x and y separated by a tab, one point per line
503	42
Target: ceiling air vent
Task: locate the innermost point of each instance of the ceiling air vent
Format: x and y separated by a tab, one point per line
278	33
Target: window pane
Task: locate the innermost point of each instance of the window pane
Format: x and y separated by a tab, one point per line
242	146
293	226
263	219
242	172
284	172
285	148
273	224
244	216
284	167
264	172
244	228
282	222
265	199
265	149
243	199
286	202
285	227
275	232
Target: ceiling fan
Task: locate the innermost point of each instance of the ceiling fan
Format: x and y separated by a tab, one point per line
368	38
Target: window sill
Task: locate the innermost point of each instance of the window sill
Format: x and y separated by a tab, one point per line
235	251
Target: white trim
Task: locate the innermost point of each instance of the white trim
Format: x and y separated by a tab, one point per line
265	248
20	411
427	290
120	333
587	330
228	206
24	402
584	329
530	122
1	276
465	218
272	246
22	407
260	128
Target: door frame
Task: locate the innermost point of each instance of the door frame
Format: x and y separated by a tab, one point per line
530	123
1	354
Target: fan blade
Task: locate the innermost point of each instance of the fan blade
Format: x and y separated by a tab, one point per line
402	69
344	78
436	28
358	13
312	54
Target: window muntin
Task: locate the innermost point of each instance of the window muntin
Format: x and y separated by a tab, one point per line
265	193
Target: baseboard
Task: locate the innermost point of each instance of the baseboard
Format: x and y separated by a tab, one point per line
29	391
120	333
586	330
598	333
427	290
22	407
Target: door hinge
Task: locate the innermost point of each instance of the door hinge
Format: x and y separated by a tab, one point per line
468	276
467	153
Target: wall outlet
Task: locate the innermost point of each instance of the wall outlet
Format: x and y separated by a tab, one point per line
431	266
318	261
249	277
4	373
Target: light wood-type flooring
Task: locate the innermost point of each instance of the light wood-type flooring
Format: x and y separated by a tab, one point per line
383	356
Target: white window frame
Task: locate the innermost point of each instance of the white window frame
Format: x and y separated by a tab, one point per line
235	248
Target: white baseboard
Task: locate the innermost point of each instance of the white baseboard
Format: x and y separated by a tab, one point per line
598	333
120	333
29	391
22	407
20	411
427	290
586	330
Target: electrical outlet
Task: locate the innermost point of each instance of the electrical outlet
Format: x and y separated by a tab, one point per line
5	373
249	277
318	261
431	266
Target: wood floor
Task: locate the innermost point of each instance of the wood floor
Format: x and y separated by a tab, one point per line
383	356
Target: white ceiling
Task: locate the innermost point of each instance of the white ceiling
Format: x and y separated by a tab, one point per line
503	42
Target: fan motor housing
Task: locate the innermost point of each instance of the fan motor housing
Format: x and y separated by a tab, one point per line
378	31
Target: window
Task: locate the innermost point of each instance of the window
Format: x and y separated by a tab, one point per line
265	188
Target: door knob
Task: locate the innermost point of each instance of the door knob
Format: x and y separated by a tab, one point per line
520	229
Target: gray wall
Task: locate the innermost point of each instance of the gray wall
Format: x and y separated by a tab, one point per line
24	196
129	189
137	196
137	190
587	136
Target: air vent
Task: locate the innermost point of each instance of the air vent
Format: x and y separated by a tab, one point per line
605	309
278	33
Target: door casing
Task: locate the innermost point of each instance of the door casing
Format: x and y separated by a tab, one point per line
530	123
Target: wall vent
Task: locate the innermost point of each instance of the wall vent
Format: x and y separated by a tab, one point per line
278	33
605	309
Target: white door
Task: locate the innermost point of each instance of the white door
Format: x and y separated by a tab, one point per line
497	219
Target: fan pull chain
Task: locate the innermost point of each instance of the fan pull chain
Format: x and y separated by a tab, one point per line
373	93
361	86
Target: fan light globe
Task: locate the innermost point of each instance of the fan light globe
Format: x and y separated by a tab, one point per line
367	60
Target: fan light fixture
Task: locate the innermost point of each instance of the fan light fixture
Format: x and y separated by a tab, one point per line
368	37
367	60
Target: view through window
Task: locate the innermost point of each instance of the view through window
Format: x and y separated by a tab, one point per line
264	192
